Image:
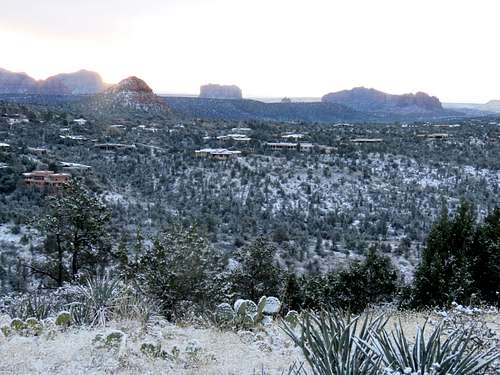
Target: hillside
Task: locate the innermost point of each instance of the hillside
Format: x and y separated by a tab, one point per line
322	112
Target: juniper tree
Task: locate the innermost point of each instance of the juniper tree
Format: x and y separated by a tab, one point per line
444	271
257	272
74	225
179	266
485	258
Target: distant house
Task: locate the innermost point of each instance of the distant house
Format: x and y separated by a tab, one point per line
74	167
75	138
287	146
306	147
438	136
434	135
80	121
326	149
234	137
295	136
114	146
282	146
38	150
366	140
217	153
49	179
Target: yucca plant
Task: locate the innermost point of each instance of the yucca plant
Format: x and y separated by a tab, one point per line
93	302
330	342
436	355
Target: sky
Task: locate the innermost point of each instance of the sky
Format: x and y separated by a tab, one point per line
269	48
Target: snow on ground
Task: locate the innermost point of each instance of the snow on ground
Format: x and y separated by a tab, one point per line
201	350
215	352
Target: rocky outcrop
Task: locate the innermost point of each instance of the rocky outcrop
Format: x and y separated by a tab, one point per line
130	94
214	91
130	84
371	100
81	82
492	106
16	83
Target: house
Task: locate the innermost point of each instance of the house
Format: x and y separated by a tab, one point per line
280	146
38	150
306	147
234	137
49	179
295	136
80	121
287	146
438	136
217	153
74	167
236	130
434	136
366	140
326	149
114	146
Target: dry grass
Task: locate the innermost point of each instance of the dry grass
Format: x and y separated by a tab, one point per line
226	353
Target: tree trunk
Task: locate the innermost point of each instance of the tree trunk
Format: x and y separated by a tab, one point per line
60	261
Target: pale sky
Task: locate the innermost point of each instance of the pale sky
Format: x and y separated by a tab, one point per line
447	48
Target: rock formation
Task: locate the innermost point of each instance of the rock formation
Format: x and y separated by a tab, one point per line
371	100
214	91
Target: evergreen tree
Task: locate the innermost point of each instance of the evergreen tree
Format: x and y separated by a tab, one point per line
485	258
179	267
444	275
75	230
257	273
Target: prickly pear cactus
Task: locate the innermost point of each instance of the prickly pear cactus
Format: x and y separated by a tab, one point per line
273	306
224	314
260	310
34	326
6	330
17	324
245	313
109	341
152	350
292	318
114	339
63	319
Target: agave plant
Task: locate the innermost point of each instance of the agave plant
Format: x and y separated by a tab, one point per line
454	355
330	343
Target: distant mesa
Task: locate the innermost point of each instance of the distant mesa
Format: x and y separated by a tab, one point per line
371	100
214	91
81	82
130	84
